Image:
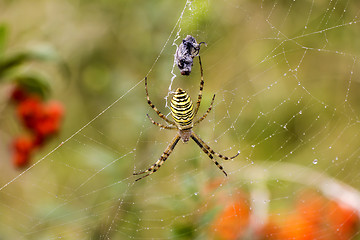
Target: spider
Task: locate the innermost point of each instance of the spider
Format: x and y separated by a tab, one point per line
183	113
185	53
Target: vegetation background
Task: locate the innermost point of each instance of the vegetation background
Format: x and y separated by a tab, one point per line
286	78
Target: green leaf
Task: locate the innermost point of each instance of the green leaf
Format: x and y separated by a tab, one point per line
34	84
183	231
3	37
43	53
210	215
7	63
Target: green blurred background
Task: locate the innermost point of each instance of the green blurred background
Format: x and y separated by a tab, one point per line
286	79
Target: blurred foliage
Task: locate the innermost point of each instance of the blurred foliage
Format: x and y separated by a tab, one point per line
10	66
3	33
33	84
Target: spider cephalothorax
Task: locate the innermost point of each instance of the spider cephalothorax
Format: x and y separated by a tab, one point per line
183	113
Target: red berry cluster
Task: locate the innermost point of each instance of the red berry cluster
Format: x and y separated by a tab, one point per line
42	119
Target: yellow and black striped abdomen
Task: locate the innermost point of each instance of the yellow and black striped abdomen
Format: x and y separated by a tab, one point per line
182	109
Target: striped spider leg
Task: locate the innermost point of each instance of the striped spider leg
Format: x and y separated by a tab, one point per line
183	113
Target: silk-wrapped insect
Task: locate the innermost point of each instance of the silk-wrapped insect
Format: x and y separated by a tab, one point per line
185	53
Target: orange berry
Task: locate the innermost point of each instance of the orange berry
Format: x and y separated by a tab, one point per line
18	94
342	220
233	220
49	120
23	147
29	111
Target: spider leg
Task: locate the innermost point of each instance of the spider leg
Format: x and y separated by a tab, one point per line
207	112
203	146
153	106
161	160
202	43
197	49
159	124
201	88
196	138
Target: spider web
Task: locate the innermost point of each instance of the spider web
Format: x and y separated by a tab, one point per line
286	79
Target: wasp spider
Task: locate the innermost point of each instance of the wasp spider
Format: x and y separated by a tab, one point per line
183	113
